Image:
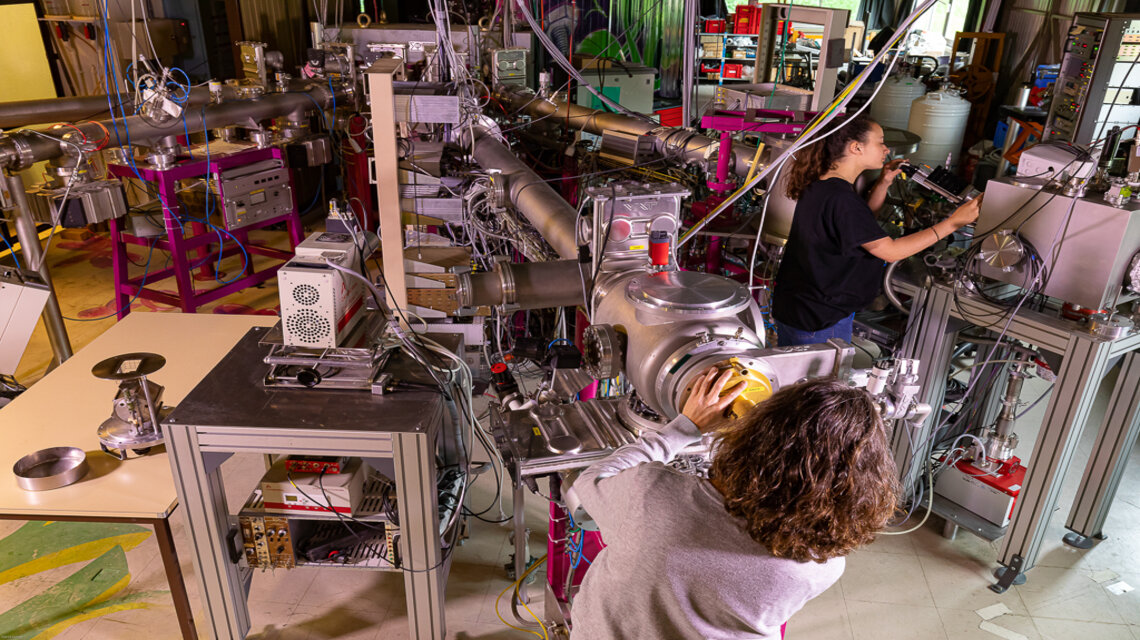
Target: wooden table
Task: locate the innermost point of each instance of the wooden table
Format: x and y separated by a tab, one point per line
67	406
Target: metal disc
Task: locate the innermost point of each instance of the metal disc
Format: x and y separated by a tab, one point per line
128	365
1029	182
118	434
564	444
687	292
900	141
603	351
1002	250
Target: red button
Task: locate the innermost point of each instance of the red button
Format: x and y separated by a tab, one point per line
498	367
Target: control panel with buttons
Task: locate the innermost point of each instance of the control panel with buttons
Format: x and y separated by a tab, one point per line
267	542
1096	88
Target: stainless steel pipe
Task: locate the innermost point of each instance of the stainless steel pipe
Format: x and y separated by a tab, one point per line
14	146
30	245
889	288
28	112
527	285
552	216
672	143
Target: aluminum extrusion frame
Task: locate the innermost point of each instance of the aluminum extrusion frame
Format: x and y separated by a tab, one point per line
231	412
932	333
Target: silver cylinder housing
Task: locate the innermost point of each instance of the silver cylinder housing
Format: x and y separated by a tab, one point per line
677	323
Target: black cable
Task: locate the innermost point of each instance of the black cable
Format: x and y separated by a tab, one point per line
425	354
328	507
601	253
342	518
498	490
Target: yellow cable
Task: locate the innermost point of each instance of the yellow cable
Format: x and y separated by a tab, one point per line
537	619
515	585
755	161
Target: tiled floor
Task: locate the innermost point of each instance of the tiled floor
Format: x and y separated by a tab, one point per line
921	586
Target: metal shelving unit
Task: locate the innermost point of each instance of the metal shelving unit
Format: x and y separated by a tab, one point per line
231	411
369	553
725	46
371	506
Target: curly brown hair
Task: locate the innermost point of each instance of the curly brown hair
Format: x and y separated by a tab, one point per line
810	471
816	159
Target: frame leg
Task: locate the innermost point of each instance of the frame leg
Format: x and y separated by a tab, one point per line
521	546
417	498
174	578
119	267
1106	465
1083	367
931	335
202	496
180	259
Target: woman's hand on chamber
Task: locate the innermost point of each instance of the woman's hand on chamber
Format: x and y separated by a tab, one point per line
708	399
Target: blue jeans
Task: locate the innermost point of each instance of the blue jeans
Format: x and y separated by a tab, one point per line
789	336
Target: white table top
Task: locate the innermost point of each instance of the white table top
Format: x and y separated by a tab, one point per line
67	406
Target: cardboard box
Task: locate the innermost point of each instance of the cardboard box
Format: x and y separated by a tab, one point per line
853	38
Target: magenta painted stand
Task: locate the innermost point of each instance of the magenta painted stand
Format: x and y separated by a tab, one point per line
559	561
727	122
193	251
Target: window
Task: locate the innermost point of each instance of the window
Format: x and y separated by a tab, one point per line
945	19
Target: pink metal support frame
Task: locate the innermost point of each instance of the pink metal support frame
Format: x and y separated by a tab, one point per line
728	121
193	251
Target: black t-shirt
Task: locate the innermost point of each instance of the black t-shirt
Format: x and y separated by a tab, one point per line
826	274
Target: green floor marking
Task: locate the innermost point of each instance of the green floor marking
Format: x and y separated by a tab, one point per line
89	592
41	546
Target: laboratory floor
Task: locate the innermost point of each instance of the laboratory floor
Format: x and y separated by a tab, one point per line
919	586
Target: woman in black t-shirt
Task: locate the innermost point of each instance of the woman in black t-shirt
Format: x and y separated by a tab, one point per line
833	263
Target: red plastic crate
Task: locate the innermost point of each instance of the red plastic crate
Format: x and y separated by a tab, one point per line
710	68
715	26
670	117
733	70
746	20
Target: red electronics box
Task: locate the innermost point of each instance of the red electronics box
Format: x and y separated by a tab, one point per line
746	20
315	464
990	494
715	26
733	70
285	491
